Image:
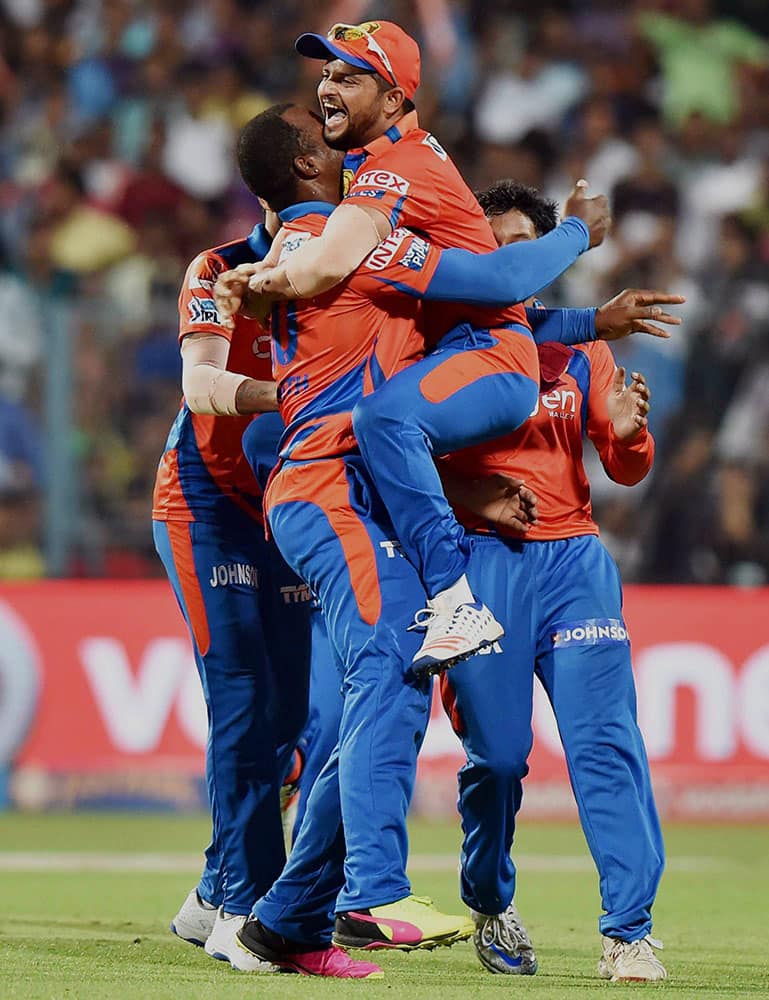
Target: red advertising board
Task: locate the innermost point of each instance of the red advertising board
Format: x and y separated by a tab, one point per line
99	701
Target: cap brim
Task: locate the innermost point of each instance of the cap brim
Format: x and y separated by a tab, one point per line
319	47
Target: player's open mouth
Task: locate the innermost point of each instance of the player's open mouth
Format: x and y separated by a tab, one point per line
333	115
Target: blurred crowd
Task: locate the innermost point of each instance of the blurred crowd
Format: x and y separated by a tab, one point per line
117	123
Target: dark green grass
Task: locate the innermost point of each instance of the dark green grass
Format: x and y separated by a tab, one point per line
95	935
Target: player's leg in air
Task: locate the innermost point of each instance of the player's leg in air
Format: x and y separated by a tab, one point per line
333	531
585	666
476	385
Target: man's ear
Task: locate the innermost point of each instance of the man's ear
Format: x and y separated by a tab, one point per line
393	101
306	166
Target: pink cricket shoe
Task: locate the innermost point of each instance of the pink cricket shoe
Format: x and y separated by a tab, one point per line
290	956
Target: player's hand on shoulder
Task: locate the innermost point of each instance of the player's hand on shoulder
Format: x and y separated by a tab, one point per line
632	312
594	212
628	405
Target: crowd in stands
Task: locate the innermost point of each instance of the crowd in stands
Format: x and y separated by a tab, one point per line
117	124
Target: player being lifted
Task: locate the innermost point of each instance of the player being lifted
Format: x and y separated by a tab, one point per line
398	175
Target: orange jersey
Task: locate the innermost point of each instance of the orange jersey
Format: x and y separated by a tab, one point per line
408	176
203	469
546	451
331	350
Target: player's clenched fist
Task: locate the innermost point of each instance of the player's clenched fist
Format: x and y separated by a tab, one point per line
594	212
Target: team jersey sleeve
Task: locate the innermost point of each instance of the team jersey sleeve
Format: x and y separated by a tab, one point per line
626	462
563	326
501	277
197	308
401	185
511	273
402	264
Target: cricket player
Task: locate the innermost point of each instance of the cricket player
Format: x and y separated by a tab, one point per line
578	645
398	175
247	612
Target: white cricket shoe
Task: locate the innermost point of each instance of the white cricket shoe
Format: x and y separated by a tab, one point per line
502	943
631	961
453	636
223	944
195	920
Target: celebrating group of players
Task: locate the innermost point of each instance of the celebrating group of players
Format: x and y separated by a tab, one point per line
417	385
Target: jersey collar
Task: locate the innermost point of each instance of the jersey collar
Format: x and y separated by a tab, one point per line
394	134
303	208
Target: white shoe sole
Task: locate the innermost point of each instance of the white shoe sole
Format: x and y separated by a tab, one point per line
425	664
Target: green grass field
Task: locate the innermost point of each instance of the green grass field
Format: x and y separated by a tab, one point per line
75	926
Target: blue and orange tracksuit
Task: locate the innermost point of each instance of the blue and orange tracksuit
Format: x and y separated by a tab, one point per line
247	612
566	620
480	383
334	531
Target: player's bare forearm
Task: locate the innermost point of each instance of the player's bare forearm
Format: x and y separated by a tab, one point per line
256	396
319	264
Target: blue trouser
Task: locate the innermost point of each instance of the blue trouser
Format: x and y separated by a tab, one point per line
321	733
475	386
352	847
255	685
583	661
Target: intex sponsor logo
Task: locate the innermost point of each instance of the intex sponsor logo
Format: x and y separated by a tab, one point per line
203	311
381	179
590	632
383	255
230	574
298	594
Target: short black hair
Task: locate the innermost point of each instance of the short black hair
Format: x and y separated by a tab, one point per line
267	148
506	195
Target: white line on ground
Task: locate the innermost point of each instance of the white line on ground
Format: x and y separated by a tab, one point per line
109	863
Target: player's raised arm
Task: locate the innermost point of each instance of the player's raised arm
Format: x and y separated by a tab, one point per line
515	272
627	313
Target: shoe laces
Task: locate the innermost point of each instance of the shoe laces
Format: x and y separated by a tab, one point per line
422	619
505	929
642	948
456	621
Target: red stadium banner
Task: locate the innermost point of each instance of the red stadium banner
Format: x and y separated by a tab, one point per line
100	702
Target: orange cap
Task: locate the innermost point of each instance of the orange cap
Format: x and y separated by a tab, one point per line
380	46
